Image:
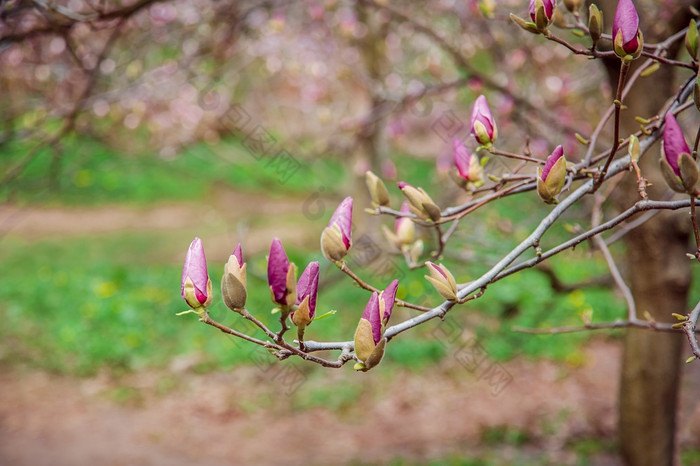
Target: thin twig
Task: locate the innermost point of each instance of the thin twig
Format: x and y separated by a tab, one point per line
640	206
260	325
282	350
624	68
399	302
596	217
660	327
627	227
441	244
516	156
694	219
209	321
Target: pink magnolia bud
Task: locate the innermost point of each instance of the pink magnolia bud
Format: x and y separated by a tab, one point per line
483	126
677	165
369	343
627	38
468	166
281	275
545	8
386	301
336	238
674	143
307	291
195	286
552	176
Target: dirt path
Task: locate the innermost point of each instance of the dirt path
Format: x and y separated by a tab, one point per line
225	205
249	218
243	418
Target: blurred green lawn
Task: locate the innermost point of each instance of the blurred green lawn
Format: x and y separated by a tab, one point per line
75	305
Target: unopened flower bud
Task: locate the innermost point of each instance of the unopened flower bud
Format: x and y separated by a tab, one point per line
377	189
195	286
369	340
560	21
634	149
281	275
678	168
628	40
421	204
416	250
526	25
443	281
404	227
233	282
483	126
542	12
386	301
551	178
307	291
595	22
468	167
336	238
691	39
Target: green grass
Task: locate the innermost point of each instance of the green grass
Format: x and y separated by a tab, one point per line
90	173
75	305
690	457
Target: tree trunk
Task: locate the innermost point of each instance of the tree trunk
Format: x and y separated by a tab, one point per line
659	277
371	138
658	274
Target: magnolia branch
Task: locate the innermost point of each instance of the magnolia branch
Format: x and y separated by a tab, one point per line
281	349
624	68
588	159
640	206
596	217
660	327
500	270
363	284
690	330
696	231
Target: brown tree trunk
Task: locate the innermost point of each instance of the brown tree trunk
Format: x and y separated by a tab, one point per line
371	138
659	277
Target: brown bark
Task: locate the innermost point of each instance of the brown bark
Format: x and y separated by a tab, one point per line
659	277
371	137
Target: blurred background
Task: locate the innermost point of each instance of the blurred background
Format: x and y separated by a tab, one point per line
128	128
